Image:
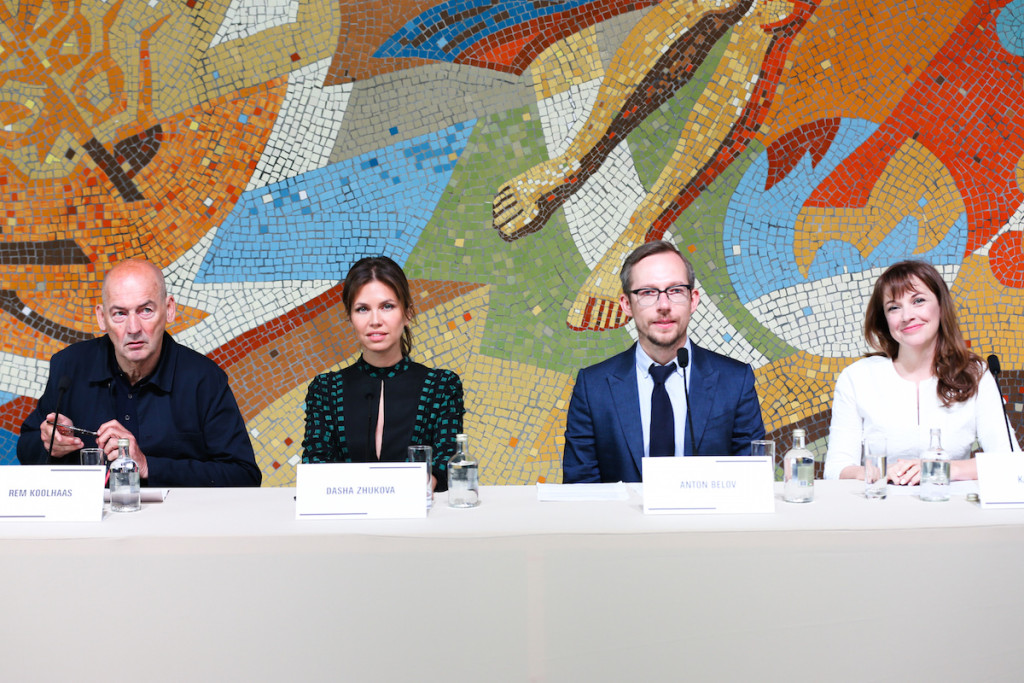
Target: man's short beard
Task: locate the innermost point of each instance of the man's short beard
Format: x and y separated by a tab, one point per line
675	343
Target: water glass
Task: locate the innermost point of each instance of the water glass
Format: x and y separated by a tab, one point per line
424	454
763	447
93	457
875	471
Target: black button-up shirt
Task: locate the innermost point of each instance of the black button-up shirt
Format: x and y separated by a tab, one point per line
184	416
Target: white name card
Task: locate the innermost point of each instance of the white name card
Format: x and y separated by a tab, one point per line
1001	480
703	485
51	493
362	490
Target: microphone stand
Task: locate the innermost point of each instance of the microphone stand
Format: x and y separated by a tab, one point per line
62	387
683	359
995	369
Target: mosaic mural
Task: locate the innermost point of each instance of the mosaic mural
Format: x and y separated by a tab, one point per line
508	153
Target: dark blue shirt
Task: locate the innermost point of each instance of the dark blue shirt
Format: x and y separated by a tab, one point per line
184	416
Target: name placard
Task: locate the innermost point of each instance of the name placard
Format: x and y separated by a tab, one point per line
363	490
708	485
1001	480
51	493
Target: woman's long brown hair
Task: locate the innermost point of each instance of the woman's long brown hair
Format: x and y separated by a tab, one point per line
956	367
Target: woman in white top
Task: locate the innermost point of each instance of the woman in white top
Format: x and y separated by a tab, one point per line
923	376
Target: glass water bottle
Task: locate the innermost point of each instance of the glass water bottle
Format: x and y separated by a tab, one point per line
125	491
798	471
463	476
935	470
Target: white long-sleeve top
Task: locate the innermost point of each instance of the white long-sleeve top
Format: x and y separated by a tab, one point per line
871	398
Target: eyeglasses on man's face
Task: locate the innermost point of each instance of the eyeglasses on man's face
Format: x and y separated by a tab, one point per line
648	296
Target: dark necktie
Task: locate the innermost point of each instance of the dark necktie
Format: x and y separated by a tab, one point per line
663	425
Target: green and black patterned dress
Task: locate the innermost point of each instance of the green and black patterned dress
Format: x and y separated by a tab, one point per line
422	406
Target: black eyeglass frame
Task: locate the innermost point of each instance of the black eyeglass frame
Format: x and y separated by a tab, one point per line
666	292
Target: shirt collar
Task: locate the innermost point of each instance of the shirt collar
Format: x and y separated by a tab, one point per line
162	376
643	361
384	373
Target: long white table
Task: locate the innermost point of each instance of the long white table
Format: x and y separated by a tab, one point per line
226	584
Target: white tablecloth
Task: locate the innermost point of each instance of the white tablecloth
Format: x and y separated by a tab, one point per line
227	584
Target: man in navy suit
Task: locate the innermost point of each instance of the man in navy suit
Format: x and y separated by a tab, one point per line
634	404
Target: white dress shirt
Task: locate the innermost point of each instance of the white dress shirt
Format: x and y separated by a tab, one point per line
675	389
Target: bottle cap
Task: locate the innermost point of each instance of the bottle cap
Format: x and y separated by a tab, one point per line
123	442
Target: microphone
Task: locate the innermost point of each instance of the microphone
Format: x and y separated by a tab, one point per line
683	359
62	387
993	367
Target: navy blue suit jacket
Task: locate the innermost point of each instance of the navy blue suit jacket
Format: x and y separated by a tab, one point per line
603	435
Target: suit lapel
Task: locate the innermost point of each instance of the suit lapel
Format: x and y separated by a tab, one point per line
623	392
703	385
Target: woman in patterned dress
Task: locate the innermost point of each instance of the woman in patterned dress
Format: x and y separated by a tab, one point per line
375	408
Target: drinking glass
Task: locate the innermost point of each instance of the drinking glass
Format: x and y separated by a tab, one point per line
763	447
93	456
875	478
424	454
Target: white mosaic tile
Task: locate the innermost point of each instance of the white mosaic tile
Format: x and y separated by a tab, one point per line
305	129
711	329
232	307
21	375
245	18
825	317
611	195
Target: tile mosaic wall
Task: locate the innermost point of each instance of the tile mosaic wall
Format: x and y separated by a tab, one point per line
508	153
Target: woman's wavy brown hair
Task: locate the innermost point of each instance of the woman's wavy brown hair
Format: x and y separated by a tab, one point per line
956	367
381	269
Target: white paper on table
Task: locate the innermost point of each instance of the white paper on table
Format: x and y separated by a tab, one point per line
956	488
148	495
547	493
1001	480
